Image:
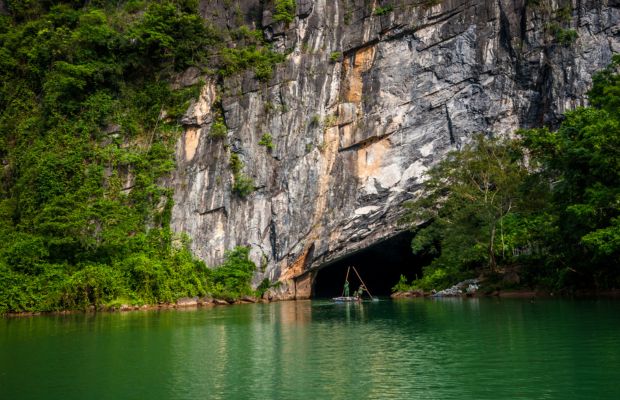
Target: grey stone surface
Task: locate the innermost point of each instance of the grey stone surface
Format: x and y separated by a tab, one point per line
353	138
466	287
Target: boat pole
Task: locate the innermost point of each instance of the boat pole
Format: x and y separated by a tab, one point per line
365	287
346	278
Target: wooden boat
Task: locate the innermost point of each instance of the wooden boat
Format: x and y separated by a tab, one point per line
345	299
357	298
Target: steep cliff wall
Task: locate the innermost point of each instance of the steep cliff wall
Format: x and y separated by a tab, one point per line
363	105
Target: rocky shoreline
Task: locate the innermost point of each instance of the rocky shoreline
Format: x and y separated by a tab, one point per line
460	290
466	288
496	293
508	294
183	303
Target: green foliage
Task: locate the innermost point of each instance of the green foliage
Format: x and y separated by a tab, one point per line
170	34
347	16
335	56
284	11
243	185
558	220
260	59
330	120
565	37
436	277
23	9
269	107
251	52
470	193
263	287
582	163
383	10
605	92
92	285
267	141
315	120
564	14
402	285
233	278
218	128
557	19
236	165
88	124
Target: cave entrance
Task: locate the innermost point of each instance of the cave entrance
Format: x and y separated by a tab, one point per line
379	265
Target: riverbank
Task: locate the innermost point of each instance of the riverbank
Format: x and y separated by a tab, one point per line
515	294
195	303
184	303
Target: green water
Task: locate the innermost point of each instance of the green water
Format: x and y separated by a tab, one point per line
426	349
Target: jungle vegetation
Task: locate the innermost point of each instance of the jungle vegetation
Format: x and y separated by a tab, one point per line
544	205
88	122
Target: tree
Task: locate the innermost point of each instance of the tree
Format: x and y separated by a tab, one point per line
467	198
581	162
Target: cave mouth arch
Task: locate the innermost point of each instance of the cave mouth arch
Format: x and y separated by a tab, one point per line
380	266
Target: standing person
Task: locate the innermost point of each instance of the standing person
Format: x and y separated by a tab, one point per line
346	288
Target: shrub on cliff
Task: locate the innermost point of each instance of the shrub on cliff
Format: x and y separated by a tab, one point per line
284	11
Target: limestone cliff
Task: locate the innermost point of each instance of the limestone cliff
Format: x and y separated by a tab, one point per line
372	93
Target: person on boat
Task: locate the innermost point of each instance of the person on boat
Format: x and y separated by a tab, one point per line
359	292
346	288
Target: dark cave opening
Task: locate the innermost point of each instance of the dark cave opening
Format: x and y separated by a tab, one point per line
379	265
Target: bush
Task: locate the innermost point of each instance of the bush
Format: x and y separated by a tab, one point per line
218	129
284	11
267	141
260	59
92	285
402	285
566	36
384	10
262	288
26	253
562	36
232	279
243	186
235	163
435	278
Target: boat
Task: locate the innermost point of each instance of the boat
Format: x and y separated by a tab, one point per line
345	299
357	297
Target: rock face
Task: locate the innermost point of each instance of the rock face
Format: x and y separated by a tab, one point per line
363	105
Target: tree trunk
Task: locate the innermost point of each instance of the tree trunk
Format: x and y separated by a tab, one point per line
492	262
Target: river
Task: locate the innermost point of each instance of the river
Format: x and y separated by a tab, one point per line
408	349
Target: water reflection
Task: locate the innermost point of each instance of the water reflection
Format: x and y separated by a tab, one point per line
403	349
